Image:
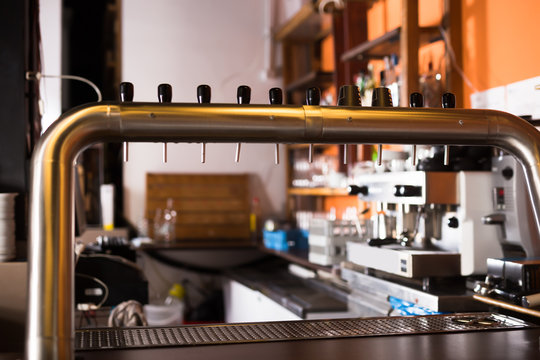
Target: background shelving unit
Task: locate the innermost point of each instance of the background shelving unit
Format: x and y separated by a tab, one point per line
307	38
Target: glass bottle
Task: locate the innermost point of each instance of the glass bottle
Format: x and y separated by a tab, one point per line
165	223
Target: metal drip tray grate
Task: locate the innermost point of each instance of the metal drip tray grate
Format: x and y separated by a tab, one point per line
122	338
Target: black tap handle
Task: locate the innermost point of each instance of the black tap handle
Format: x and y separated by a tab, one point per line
448	101
381	97
126	92
204	93
243	94
313	96
276	96
357	190
165	93
349	95
416	100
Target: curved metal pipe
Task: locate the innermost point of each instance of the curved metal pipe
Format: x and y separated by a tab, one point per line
50	328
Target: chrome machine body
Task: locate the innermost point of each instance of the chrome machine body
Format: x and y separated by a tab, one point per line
50	325
446	218
511	211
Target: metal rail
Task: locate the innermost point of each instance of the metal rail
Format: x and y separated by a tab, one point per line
50	327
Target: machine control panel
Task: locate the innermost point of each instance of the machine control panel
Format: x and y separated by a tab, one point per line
408	187
512	209
498	198
407	191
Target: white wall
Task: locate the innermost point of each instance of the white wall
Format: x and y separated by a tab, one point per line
188	43
50	17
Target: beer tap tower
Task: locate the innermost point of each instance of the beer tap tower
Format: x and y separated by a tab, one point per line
50	325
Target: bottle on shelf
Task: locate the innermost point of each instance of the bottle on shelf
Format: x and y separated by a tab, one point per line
391	77
255	219
431	86
169	312
176	295
366	84
165	223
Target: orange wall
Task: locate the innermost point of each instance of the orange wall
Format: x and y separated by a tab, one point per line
385	15
500	42
500	38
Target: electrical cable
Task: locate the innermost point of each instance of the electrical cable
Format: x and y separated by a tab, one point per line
77	78
105	287
454	61
37	76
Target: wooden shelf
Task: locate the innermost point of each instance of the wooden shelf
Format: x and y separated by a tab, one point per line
318	192
314	78
388	44
304	26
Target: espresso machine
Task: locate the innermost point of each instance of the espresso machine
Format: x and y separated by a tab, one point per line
427	224
445	223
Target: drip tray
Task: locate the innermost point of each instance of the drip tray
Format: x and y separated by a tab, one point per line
147	337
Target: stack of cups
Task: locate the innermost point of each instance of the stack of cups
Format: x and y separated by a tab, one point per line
7	226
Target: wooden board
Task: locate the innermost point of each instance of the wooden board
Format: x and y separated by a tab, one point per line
210	208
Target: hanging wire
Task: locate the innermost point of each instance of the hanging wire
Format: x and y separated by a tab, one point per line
454	61
77	78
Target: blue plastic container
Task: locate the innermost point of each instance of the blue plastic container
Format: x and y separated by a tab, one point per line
283	240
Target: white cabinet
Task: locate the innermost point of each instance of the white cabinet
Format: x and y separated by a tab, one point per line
243	304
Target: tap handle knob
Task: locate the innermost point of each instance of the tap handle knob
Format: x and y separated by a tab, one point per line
313	96
204	93
349	95
126	92
416	100
381	97
358	190
448	100
276	96
243	94
165	93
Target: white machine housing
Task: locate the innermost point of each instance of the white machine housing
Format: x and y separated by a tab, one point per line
512	205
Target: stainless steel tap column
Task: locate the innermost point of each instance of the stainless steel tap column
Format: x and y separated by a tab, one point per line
50	326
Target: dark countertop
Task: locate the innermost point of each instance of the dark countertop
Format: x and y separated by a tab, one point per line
492	345
300	296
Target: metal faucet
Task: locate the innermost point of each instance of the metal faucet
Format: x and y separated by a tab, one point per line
50	322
